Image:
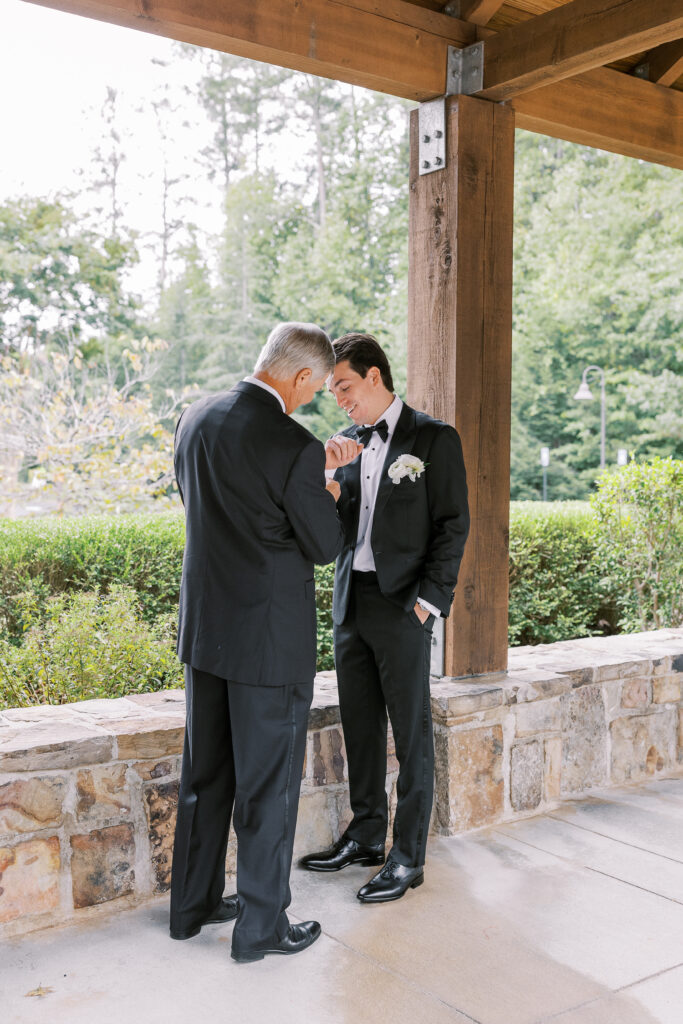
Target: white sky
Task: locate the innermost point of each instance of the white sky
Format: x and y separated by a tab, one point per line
54	73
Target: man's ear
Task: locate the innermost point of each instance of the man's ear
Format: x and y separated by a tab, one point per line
374	374
302	377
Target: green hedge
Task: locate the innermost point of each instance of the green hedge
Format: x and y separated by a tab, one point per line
556	592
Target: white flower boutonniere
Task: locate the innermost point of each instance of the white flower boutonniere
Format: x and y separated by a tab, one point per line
406	465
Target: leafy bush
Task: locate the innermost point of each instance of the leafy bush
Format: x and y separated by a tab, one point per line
84	645
556	586
40	558
639	513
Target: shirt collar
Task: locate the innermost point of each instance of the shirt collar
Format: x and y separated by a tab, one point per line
266	387
391	415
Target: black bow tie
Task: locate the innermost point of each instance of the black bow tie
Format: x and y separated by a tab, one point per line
365	433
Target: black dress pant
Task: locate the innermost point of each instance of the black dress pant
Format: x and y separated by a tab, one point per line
243	756
382	656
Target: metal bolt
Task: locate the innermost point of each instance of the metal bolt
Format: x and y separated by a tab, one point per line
426	138
438	134
426	163
438	160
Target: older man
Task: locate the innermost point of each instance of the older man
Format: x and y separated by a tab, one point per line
258	515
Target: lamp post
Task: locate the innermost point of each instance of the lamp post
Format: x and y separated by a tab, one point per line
584	394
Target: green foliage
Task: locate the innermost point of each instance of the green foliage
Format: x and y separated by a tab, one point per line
598	280
59	282
51	556
324	584
556	588
84	645
639	510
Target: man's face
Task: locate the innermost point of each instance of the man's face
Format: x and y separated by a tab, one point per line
358	396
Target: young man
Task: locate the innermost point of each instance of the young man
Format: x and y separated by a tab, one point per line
258	515
403	506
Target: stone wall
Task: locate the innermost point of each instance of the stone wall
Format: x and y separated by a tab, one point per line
88	791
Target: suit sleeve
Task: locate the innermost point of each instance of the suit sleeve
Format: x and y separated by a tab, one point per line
311	509
450	519
175	457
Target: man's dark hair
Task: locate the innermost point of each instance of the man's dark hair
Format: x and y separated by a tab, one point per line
363	351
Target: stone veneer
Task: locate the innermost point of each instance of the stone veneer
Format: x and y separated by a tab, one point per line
88	791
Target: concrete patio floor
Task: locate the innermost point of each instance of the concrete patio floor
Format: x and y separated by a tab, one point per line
573	917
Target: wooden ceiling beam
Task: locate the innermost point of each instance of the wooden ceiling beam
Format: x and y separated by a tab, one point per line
368	43
388	45
664	64
574	38
479	12
608	110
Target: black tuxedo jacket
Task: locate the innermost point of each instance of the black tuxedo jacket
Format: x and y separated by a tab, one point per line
257	518
419	528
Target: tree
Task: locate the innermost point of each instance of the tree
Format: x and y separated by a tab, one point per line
60	284
75	443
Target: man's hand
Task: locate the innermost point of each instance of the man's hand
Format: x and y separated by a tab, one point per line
340	451
421	612
333	487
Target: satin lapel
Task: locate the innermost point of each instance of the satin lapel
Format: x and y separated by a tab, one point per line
351	484
401	443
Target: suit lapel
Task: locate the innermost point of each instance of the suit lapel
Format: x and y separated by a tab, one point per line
401	442
350	482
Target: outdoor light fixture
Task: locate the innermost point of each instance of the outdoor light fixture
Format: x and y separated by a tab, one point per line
584	394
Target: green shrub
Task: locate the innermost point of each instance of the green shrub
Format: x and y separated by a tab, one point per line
639	514
85	645
556	582
40	558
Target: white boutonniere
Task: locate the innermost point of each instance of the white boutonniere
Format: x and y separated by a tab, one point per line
406	465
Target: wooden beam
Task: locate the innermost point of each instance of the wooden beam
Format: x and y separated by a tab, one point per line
609	110
401	48
460	348
572	39
394	47
479	12
664	64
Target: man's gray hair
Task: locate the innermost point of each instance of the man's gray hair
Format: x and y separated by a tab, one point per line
292	347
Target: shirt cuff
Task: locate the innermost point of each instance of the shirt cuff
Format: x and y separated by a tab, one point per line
429	607
329	474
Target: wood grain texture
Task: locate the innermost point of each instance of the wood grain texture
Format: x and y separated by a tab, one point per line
608	110
572	39
479	12
459	351
665	63
364	42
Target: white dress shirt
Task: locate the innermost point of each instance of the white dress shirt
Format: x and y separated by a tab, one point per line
266	387
371	465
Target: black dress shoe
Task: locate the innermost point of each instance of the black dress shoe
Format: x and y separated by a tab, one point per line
344	852
298	937
391	883
227	910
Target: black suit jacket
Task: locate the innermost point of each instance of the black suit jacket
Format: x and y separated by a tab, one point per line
257	518
419	528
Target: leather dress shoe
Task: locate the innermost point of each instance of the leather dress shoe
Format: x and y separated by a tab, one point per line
298	937
344	852
391	883
227	910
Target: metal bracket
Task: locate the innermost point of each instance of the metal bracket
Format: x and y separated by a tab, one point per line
432	128
465	74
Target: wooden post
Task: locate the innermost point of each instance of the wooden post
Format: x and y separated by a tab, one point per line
460	348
